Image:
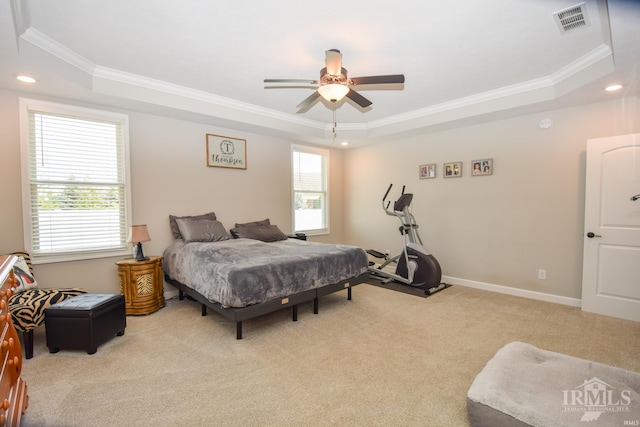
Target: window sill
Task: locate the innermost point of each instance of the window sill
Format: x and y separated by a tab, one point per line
80	256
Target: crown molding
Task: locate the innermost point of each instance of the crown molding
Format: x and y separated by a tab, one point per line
103	79
602	53
199	96
532	91
41	41
125	85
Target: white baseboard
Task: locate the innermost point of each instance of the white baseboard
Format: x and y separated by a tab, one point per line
574	302
170	294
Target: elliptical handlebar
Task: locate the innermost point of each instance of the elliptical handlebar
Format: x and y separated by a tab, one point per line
399	205
387	193
384	198
385	207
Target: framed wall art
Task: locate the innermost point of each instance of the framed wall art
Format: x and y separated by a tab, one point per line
226	152
452	170
481	167
427	171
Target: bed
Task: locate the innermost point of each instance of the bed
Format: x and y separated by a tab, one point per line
255	269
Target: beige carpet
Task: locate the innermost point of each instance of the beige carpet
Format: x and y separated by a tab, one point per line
384	358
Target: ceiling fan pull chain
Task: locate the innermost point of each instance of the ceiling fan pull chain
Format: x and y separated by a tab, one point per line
335	124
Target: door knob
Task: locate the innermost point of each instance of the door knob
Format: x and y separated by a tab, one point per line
591	235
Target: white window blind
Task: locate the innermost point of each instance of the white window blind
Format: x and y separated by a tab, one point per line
76	181
310	190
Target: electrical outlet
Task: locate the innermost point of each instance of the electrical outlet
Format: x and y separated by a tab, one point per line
542	274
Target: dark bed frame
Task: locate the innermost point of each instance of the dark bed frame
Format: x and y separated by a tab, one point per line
239	314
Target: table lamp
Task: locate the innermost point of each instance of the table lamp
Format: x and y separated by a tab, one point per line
139	234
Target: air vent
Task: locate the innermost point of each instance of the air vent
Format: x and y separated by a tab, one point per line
572	18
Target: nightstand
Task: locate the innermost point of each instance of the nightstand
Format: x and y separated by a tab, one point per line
299	236
141	285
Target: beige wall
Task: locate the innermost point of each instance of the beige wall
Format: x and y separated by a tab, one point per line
490	230
168	176
496	230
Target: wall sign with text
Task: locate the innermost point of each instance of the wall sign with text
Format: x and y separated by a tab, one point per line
226	152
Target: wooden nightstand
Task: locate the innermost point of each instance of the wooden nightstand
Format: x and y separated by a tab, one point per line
141	285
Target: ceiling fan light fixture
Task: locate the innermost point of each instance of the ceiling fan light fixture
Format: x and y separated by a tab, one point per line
333	92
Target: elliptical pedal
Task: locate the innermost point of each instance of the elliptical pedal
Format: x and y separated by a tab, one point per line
376	254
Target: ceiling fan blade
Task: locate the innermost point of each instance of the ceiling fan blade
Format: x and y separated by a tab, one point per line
291	81
333	61
304	104
373	80
291	87
358	99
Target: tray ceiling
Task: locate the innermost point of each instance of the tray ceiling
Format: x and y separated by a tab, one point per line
464	61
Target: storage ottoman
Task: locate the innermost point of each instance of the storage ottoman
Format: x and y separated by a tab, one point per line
526	386
84	322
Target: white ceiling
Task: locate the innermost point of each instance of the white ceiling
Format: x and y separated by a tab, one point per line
463	61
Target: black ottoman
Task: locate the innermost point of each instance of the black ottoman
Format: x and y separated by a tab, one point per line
84	322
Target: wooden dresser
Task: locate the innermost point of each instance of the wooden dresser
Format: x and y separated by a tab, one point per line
13	390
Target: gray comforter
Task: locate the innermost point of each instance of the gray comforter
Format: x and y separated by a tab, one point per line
242	272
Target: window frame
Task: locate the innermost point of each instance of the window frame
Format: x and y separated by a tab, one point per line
326	159
27	105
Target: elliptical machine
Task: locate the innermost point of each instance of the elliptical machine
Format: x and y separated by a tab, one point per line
415	266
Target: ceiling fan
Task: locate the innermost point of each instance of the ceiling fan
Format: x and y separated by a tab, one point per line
334	84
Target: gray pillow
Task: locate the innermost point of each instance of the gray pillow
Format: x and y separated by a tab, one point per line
266	233
254	223
174	225
202	230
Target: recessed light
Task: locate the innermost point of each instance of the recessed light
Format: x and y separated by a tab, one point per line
613	88
344	143
26	79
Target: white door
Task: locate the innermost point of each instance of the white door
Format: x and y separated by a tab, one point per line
611	261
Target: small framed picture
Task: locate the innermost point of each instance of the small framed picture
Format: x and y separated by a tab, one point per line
226	152
481	167
452	170
427	171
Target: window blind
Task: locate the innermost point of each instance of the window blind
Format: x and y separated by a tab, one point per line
310	192
76	181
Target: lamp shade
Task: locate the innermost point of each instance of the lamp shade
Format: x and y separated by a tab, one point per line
333	92
138	233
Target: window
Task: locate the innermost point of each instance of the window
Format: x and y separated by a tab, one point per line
310	190
74	180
